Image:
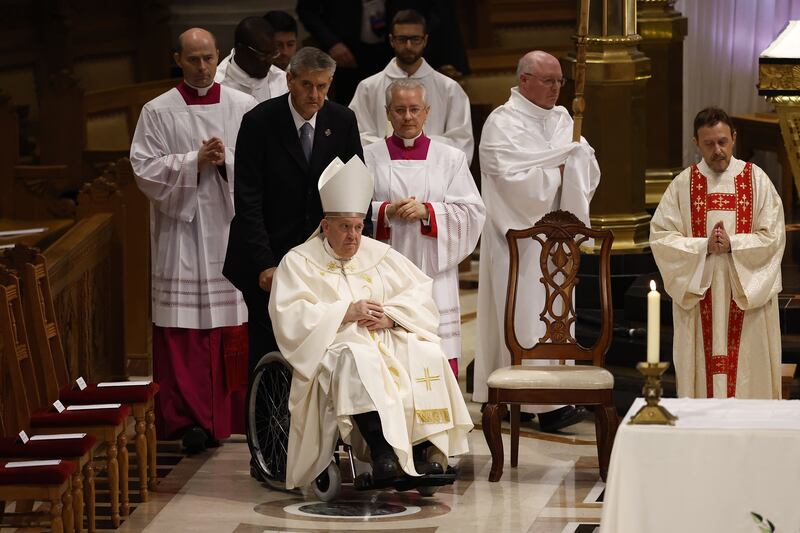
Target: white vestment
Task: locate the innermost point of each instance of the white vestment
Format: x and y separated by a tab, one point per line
231	75
522	147
727	338
444	181
448	120
190	208
340	370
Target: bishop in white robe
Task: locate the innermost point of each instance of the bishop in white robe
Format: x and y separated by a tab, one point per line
183	159
727	338
529	167
386	360
408	165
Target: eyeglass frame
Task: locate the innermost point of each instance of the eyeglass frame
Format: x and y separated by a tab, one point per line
548	82
405	39
260	54
410	110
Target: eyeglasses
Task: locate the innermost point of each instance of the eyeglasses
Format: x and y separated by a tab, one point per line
404	39
548	82
262	55
401	111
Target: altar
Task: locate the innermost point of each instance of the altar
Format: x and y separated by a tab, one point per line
727	465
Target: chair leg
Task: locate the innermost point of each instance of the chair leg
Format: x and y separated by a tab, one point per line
122	447
77	500
67	516
152	479
491	432
141	454
112	468
89	496
606	422
56	522
514	435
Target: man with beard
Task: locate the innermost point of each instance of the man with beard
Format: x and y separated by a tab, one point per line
449	117
249	68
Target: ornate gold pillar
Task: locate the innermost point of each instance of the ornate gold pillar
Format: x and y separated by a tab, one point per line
662	30
614	120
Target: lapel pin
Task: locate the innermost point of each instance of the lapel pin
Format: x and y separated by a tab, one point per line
327	132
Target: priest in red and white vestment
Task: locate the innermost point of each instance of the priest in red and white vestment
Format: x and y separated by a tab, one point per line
718	238
425	205
182	156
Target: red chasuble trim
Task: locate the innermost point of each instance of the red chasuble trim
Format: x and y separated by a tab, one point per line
742	202
431	230
383	232
191	97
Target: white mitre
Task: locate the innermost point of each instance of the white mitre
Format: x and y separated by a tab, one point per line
346	189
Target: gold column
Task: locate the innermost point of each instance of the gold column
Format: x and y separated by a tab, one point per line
662	30
779	81
614	120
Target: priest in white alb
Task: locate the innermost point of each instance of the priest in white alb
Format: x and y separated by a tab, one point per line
356	321
449	119
718	237
249	66
182	156
529	167
425	205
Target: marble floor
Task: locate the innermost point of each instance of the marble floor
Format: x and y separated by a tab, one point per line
555	488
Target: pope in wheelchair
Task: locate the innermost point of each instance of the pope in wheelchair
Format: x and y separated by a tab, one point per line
357	324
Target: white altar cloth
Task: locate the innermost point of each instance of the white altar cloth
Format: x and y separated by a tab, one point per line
723	460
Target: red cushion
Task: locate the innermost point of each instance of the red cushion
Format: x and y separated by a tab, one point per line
36	475
49	418
93	394
49	449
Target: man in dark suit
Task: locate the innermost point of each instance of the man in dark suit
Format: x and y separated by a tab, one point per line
284	144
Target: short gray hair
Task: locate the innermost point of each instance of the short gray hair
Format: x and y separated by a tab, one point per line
405	83
311	59
526	64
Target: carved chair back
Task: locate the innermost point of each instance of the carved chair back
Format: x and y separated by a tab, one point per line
40	314
16	352
560	235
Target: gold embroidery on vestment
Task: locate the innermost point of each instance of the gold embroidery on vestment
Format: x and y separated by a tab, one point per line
433	416
427	379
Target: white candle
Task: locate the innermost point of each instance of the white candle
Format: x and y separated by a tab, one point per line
653	322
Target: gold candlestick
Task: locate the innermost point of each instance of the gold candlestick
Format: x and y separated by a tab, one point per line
653	413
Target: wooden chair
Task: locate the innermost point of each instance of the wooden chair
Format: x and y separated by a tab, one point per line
50	483
49	350
560	235
107	426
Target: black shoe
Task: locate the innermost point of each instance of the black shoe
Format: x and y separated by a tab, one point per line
560	418
194	440
213	443
523	416
385	467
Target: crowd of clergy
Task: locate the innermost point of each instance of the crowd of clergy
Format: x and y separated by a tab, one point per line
284	221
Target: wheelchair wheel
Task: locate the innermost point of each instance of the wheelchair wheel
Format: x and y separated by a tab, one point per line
268	418
328	484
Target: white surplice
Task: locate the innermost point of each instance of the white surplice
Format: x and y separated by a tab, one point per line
449	120
190	208
444	181
522	147
231	75
344	369
727	338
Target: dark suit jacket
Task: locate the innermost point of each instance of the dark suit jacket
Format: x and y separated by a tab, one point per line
275	190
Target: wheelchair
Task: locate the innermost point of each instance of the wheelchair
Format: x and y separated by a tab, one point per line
268	422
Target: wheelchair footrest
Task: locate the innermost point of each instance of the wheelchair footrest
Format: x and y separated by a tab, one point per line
366	482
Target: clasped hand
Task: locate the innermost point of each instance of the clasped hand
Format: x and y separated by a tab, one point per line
719	242
368	313
212	152
408	209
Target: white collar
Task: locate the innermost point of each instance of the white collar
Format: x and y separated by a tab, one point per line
735	166
523	105
393	71
298	120
408	143
201	91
